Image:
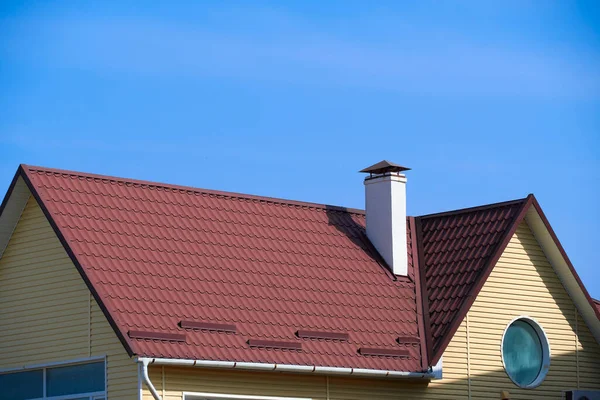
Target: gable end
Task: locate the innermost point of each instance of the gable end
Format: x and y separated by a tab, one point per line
15	201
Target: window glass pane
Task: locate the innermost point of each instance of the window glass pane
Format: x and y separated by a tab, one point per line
22	385
73	379
522	351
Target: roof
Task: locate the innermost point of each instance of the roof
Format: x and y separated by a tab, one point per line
597	304
156	255
457	248
190	273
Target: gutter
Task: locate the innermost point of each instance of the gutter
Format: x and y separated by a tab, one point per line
373	373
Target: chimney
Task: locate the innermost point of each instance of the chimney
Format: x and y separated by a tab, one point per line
385	198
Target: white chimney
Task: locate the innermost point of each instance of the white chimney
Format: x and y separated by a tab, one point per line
385	198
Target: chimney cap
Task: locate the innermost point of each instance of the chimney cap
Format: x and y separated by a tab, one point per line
384	166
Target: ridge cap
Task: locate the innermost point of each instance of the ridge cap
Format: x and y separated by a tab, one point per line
169	186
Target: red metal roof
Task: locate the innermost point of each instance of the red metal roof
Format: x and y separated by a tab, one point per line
154	255
457	248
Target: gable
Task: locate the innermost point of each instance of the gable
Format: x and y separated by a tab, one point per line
524	283
47	313
457	249
462	247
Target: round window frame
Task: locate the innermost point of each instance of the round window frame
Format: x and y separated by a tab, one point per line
545	351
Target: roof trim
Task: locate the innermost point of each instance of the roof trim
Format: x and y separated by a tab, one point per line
485	273
23	172
590	301
422	295
476	208
197	190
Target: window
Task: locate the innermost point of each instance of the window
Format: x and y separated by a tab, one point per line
525	352
80	381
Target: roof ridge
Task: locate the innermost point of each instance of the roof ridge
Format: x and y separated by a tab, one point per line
169	186
475	208
297	203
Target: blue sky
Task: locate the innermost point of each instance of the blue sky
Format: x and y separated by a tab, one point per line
485	101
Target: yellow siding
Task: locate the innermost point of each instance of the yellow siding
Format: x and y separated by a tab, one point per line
317	387
522	283
588	355
454	384
47	314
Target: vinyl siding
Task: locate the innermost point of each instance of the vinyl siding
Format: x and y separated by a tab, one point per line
522	283
47	314
588	355
316	387
454	383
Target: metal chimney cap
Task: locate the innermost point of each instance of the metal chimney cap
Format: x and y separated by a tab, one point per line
384	166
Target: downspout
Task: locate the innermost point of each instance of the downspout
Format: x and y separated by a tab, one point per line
144	362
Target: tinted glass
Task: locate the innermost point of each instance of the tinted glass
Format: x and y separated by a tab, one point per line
523	353
73	379
22	385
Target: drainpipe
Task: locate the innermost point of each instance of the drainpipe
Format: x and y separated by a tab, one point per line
144	362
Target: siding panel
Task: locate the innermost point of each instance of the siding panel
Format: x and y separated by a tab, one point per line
524	283
47	314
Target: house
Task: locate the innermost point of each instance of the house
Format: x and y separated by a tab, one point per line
114	288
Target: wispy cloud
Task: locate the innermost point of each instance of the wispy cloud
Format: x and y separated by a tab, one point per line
287	50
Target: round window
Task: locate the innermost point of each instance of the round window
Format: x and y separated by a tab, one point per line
525	352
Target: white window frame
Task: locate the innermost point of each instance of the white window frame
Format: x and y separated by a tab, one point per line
221	396
546	354
45	366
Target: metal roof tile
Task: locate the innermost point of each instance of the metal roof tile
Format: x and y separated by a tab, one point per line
457	245
157	254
